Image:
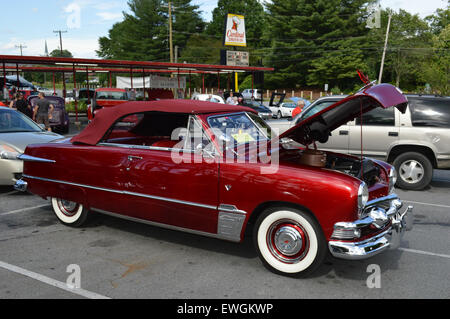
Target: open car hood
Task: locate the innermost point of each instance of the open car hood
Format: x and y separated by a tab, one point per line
319	126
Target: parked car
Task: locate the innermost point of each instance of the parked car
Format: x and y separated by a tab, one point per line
415	142
263	111
59	122
16	132
283	110
209	98
199	167
46	91
249	94
85	95
106	97
311	109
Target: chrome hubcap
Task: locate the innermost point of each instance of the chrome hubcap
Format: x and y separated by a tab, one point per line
68	208
288	241
411	171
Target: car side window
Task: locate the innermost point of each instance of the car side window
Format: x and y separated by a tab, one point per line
434	112
378	117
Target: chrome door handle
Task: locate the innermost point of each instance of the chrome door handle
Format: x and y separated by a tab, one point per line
132	158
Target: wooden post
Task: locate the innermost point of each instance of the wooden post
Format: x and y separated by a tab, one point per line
74	91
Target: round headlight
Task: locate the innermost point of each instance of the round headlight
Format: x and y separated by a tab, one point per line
363	196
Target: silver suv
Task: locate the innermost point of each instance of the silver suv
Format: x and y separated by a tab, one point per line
415	142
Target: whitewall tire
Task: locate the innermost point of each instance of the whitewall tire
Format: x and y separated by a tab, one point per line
289	241
69	213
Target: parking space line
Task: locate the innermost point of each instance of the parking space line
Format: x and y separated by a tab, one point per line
24	210
428	204
9	193
423	252
52	282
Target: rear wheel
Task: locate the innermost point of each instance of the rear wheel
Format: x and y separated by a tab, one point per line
415	170
279	116
69	213
289	241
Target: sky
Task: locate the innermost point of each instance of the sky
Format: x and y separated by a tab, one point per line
31	23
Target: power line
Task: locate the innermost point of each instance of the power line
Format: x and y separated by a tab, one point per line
21	47
60	39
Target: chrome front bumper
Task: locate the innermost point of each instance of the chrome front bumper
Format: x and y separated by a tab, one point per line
380	212
21	185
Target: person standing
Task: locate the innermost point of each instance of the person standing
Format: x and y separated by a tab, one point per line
299	108
22	105
230	99
42	111
12	104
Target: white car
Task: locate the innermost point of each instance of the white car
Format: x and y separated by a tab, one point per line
209	98
16	132
283	110
44	90
248	94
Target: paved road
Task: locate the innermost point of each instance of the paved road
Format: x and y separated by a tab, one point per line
122	259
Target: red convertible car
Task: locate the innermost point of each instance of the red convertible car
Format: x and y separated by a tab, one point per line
218	170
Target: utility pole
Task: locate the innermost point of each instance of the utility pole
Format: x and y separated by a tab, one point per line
21	47
60	39
384	51
170	32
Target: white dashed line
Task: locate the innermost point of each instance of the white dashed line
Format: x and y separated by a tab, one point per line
427	204
51	282
424	252
24	210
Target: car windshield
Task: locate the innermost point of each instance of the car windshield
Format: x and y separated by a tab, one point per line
313	109
104	95
12	121
239	128
289	105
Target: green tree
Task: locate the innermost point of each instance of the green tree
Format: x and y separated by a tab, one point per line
436	71
58	54
144	33
409	45
439	20
316	42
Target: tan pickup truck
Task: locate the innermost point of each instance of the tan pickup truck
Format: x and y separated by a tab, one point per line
415	142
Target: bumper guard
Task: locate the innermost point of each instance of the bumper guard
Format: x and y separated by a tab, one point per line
377	216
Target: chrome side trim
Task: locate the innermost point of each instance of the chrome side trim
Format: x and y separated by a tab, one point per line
231	209
28	158
125	192
230	222
166	226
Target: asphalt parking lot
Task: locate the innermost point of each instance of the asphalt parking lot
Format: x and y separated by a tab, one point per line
122	259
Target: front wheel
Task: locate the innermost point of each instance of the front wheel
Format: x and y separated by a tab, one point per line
69	213
414	170
289	241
